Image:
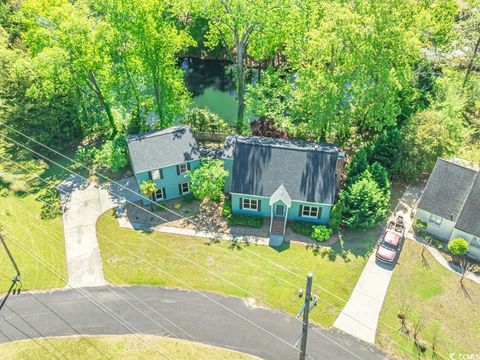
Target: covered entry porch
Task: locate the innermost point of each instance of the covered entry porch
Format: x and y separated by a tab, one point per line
280	202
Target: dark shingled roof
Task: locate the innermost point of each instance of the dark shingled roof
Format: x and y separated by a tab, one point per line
447	189
306	169
162	148
469	219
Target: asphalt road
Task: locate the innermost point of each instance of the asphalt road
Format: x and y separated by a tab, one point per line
208	318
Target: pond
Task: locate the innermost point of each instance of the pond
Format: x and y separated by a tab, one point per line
212	85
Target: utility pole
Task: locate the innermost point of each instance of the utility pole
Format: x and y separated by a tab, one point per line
305	309
17	277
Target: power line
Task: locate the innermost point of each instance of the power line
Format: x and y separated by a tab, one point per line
323	335
244	290
121	297
199	292
89	297
155	215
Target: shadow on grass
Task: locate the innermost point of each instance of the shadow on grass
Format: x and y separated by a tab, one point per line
284	246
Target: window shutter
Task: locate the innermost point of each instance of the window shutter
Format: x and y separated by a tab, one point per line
153	197
178	169
259	205
150	175
180	189
161	174
164	194
300	210
188	166
241	203
319	212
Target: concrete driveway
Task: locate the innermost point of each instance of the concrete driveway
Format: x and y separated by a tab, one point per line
82	204
205	317
360	315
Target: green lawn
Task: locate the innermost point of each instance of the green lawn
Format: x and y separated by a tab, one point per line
434	296
115	347
335	269
20	219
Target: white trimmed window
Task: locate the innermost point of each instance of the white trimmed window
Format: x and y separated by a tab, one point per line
310	211
156	174
185	188
475	242
159	195
250	204
436	220
182	168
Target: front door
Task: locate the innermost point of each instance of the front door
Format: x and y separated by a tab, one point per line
280	210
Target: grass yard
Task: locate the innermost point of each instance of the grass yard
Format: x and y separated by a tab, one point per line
116	347
434	297
334	269
20	219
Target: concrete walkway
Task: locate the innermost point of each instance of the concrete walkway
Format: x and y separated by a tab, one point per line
82	204
360	315
442	261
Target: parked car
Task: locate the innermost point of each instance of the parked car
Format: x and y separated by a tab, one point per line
390	241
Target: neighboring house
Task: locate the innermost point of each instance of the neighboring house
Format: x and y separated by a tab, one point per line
165	157
450	204
281	179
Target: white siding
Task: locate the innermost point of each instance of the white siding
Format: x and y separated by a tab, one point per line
442	231
472	250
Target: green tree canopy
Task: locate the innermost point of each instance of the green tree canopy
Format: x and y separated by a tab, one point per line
208	180
364	203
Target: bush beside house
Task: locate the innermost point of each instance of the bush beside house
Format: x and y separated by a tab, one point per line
321	233
458	246
245	220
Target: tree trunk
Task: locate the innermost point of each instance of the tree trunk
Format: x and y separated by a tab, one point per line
472	60
240	88
103	103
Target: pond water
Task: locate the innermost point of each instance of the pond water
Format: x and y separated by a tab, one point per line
212	84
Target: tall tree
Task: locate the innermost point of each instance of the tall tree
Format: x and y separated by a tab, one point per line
354	60
236	24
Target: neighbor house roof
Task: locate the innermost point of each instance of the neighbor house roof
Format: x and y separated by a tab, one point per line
447	190
469	219
261	165
162	148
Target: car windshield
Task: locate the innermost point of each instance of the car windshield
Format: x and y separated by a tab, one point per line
388	246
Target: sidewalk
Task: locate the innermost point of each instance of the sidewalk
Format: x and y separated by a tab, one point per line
360	315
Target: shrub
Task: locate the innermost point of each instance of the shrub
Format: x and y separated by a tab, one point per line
202	120
419	225
245	220
51	207
335	218
113	154
321	233
227	209
148	188
364	203
207	181
302	228
458	246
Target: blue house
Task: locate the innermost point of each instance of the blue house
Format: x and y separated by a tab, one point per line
165	157
282	179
